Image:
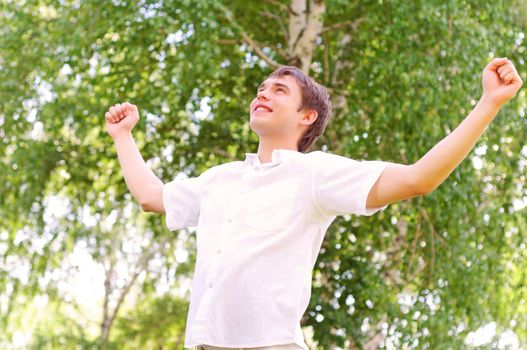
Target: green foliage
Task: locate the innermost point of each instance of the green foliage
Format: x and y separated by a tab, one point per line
156	323
410	72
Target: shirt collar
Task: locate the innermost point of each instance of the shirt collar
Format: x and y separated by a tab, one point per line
252	159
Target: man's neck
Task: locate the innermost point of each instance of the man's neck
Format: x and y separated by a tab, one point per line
265	149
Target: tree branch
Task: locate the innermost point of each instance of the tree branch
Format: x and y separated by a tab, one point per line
124	293
109	270
432	228
142	262
280	23
282	6
346	39
259	51
253	44
280	51
304	30
228	41
354	24
326	58
297	23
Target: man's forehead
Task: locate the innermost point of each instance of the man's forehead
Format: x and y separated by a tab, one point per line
286	80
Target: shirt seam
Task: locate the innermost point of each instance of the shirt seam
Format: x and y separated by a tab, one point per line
169	212
364	210
314	193
199	183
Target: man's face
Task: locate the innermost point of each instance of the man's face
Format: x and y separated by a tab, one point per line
274	111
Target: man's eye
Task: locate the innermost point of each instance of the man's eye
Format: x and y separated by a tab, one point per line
280	89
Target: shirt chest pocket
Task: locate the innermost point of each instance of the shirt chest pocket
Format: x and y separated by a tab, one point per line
269	207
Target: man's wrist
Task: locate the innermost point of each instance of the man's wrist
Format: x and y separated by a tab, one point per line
487	101
122	136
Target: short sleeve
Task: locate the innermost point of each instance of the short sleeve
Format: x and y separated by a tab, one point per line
181	199
341	185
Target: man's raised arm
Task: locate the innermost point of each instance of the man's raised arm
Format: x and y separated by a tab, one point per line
500	82
144	185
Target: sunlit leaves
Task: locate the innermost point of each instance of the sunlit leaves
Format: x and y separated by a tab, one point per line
428	270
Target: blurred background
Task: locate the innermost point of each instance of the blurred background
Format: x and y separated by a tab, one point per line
82	267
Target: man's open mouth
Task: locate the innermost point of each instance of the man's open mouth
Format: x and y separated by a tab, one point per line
262	108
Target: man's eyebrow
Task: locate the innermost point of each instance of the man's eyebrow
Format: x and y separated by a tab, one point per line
276	84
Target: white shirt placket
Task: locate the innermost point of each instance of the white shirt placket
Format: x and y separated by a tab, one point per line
229	224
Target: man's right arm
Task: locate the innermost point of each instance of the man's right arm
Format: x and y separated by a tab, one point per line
144	185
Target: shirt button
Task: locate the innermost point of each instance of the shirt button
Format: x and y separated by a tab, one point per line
210	284
229	219
256	168
218	251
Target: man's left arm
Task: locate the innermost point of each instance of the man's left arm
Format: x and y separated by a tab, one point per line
397	182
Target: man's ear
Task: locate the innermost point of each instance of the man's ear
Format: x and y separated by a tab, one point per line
309	117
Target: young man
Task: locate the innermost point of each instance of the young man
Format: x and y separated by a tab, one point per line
260	222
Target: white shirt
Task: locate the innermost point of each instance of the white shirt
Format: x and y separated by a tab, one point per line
259	231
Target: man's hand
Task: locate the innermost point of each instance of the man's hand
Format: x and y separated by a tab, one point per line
120	119
501	81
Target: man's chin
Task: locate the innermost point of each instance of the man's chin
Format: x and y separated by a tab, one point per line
258	120
261	119
259	126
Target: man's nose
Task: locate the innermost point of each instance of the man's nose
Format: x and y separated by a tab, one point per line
262	94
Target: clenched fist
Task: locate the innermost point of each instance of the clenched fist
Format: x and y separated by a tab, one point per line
501	81
121	118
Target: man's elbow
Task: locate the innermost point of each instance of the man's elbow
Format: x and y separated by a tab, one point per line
153	200
421	184
423	188
144	207
149	207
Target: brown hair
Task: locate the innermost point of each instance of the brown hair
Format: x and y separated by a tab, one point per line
314	96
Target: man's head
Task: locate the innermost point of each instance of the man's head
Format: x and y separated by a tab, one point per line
290	104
